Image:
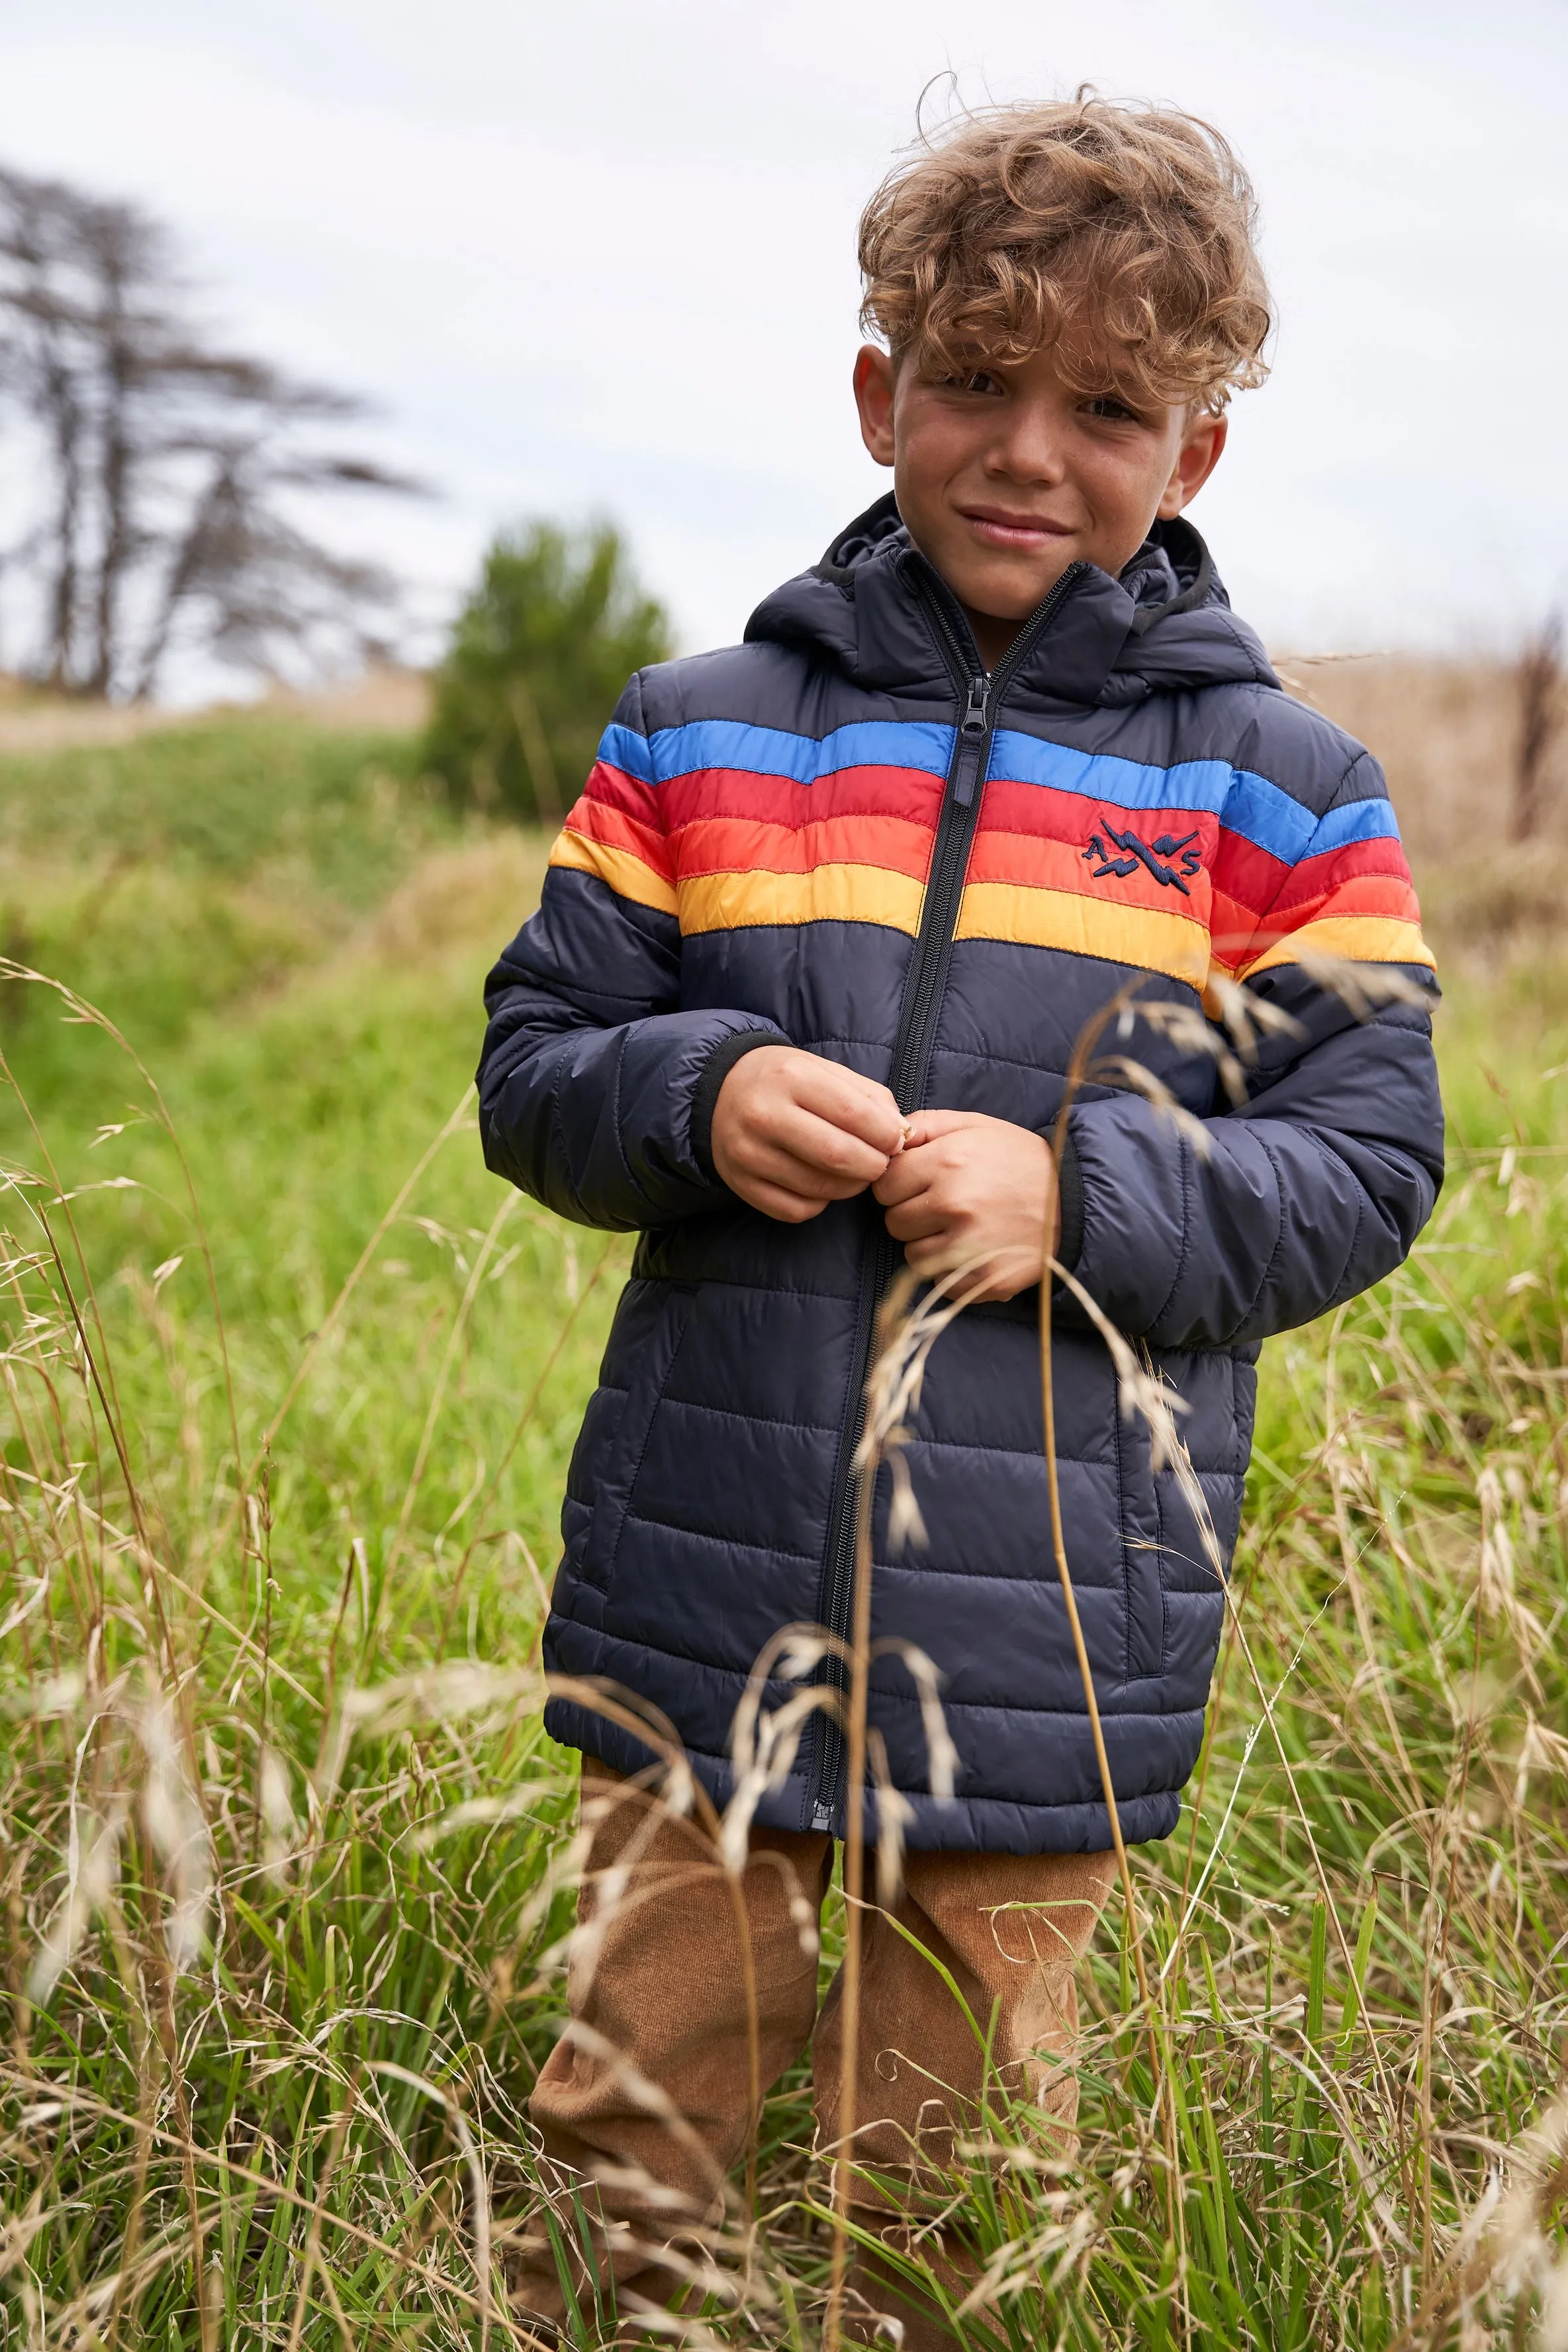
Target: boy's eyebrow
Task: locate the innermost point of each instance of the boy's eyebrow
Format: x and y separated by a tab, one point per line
1094	376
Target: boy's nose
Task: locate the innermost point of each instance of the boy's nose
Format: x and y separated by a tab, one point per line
1029	447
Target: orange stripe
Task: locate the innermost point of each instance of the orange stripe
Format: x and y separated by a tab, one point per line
1034	862
739	846
598	820
1393	895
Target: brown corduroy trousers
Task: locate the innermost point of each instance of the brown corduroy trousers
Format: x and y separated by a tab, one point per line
647	2092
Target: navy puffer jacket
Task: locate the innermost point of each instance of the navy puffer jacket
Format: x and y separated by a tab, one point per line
842	835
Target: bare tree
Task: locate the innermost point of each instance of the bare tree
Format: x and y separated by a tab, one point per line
1539	677
39	224
169	478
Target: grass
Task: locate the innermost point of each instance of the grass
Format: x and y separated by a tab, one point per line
286	1853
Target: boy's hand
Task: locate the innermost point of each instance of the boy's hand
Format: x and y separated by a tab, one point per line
976	1192
791	1132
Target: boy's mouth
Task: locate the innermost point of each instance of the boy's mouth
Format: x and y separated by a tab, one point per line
998	528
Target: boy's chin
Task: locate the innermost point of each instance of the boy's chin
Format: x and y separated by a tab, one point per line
1007	594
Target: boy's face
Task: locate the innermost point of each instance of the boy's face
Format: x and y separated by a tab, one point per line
1006	476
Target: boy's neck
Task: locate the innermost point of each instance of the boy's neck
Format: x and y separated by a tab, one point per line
994	636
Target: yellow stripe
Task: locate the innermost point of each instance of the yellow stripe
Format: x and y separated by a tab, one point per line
1138	936
1358	938
626	875
828	894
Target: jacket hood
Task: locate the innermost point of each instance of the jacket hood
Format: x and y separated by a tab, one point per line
1165	626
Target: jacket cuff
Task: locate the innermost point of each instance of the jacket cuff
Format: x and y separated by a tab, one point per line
1070	1190
715	1069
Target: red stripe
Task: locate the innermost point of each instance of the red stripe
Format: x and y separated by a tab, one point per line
1040	811
1248	877
905	794
613	788
1316	877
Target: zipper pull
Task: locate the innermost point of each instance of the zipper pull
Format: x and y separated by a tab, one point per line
972	736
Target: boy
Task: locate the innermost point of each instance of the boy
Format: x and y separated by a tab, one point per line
813	951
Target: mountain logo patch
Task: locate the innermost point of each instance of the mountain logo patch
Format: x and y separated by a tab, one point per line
1111	852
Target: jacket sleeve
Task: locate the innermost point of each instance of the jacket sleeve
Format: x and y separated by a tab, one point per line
596	1089
1317	1185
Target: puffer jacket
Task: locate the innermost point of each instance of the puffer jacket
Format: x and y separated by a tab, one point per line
842	835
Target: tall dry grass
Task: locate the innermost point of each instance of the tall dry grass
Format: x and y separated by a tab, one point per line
1448	735
289	1867
284	1937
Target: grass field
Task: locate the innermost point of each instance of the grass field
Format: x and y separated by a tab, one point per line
290	1385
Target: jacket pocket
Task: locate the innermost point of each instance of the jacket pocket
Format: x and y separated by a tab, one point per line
1143	1538
652	1360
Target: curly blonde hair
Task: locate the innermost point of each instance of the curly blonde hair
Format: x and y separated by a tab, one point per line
1119	234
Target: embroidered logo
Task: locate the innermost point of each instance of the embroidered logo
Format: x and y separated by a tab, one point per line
1105	843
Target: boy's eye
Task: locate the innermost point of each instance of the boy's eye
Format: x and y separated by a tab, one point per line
978	380
1106	405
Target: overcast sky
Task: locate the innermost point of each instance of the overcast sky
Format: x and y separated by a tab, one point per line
598	255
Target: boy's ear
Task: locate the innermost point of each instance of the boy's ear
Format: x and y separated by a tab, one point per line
874	377
1202	441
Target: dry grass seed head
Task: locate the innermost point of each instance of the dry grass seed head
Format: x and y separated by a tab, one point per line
178	1831
1359	987
1247	1016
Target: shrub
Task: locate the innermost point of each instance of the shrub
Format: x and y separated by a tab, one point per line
538	656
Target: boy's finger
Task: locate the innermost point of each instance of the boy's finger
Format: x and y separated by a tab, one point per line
900	1179
917	1220
768	1162
928	1125
822	1143
842	1098
789	1208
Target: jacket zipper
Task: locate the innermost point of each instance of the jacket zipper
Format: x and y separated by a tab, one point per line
981	698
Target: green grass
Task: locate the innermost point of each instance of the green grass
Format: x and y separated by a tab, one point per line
280	1699
178	872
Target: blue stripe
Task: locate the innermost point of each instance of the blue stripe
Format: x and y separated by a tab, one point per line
1371	820
1195	784
624	748
806	759
1262	814
1250	805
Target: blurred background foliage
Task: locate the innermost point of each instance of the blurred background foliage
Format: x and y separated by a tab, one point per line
538	657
